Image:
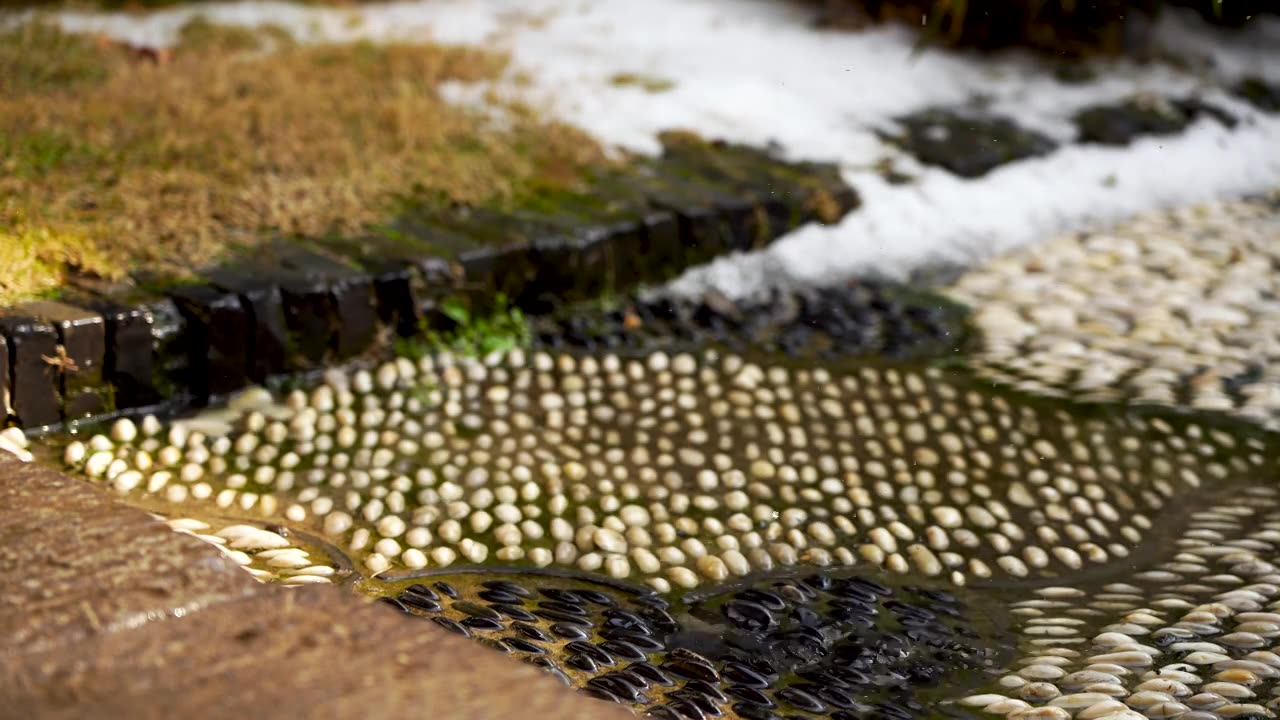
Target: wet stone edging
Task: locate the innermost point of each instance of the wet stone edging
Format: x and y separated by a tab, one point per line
301	305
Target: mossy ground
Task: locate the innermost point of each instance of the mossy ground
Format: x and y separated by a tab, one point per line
115	161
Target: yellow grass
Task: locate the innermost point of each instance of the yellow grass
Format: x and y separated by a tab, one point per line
170	163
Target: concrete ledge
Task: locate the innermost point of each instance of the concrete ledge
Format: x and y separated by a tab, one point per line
107	613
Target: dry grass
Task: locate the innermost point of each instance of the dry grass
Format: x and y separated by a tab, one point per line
114	161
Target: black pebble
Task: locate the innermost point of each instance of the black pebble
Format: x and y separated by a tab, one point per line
522	645
661	620
492	643
592	651
690	670
707	689
687	709
617	685
763	597
578	661
800	700
394	603
568	596
595	597
650	673
421	591
508	587
837	697
872	585
563	607
600	694
498	596
642	641
625	620
747	711
749	616
751	696
477	610
420	602
739	674
569	631
533	632
482	623
623	649
563	618
451	625
515	613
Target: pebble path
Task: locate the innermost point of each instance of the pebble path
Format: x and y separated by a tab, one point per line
705	534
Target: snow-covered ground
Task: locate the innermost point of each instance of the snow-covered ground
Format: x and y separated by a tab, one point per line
759	71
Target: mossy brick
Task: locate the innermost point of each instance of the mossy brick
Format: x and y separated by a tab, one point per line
394	265
83	337
216	328
353	318
265	319
5	380
781	196
967	142
148	360
703	225
1258	92
130	364
33	373
790	193
1123	122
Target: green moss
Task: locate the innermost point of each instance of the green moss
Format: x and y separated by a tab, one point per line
474	335
36	57
199	34
648	83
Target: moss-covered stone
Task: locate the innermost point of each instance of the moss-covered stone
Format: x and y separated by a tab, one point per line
82	352
1124	122
1259	93
966	142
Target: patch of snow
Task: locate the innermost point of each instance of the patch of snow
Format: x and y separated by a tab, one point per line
758	71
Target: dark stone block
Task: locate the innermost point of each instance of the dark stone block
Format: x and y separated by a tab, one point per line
392	263
699	228
129	360
308	309
264	307
488	271
357	316
352	319
967	143
127	356
82	335
147	359
1122	123
440	278
217	326
570	268
33	352
4	379
172	350
396	290
1259	93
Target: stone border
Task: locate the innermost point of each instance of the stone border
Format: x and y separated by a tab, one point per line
300	306
109	613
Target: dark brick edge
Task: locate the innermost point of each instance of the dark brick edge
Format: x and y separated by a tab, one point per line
300	311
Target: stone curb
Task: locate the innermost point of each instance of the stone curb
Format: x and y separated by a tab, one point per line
108	613
299	306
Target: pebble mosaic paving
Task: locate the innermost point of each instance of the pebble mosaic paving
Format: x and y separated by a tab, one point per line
747	532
